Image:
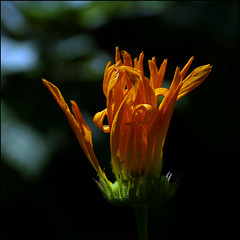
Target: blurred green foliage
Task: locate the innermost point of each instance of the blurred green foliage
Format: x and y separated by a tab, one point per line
46	181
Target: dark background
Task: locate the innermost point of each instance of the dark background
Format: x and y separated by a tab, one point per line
47	187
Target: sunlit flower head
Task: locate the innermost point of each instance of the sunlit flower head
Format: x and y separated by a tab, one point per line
137	124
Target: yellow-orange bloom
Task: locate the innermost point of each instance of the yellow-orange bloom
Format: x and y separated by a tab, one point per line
137	125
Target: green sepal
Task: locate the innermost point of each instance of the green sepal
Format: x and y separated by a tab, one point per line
139	191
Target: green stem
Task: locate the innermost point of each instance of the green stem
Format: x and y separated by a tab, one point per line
142	219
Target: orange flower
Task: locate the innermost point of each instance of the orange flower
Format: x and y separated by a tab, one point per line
137	125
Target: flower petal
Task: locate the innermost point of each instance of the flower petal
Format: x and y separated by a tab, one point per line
120	119
119	132
139	64
81	130
115	95
117	55
174	86
134	77
159	127
86	133
147	94
142	114
127	60
161	91
153	73
161	73
98	121
194	79
186	67
106	77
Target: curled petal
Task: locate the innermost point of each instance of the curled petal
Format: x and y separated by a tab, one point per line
194	79
161	91
98	121
142	114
